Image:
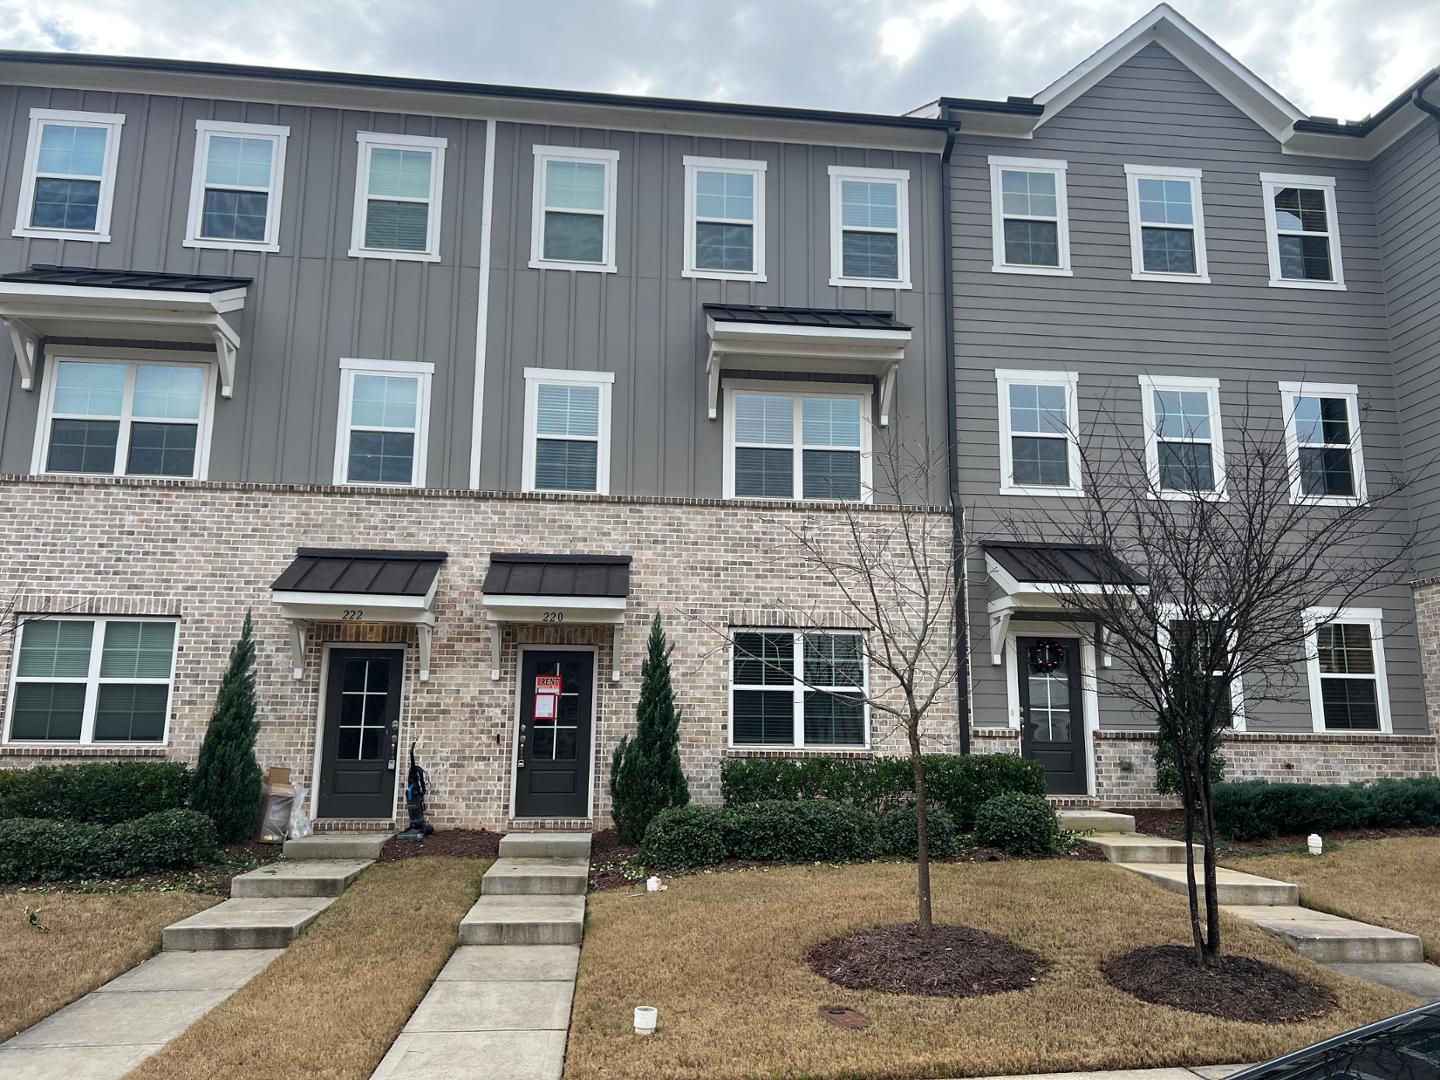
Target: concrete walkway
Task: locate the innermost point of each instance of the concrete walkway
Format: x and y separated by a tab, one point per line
501	1006
1204	1072
1375	953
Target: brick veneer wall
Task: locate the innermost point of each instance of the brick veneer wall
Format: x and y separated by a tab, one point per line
207	552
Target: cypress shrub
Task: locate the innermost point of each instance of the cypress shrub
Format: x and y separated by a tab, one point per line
645	773
226	786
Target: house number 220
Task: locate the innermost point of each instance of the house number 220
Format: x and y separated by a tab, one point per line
552	616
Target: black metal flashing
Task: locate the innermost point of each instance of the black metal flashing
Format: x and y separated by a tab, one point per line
84	276
557	575
487	90
1360	128
1059	564
835	318
366	572
1015	106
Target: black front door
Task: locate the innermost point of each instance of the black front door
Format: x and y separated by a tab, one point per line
1052	719
362	726
552	768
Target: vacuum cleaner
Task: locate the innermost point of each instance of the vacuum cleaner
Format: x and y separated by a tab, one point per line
416	786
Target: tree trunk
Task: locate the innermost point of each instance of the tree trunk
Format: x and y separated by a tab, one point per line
1212	888
922	833
1185	767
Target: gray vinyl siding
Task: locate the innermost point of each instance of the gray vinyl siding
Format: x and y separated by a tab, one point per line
1407	205
1109	329
309	305
646	323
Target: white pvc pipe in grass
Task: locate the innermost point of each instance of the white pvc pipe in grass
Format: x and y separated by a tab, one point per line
645	1019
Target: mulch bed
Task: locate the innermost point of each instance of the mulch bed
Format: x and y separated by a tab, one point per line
1237	988
445	843
955	961
1171	823
606	856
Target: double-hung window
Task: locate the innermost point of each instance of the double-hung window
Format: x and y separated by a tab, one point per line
397	197
1322	439
1302	232
573	227
796	689
1167	224
384	420
1039	451
236	186
91	680
869	227
796	445
567	431
1184	452
1200	640
1029	216
69	182
724	219
124	417
1345	656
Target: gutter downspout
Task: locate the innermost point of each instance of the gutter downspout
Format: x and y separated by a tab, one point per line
1417	98
952	453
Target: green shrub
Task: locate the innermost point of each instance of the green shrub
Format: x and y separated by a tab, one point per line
1167	773
800	830
36	849
897	831
1260	809
683	837
964	784
1018	824
100	793
645	773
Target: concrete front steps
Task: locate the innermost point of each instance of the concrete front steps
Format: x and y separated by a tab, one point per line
1331	939
1234	887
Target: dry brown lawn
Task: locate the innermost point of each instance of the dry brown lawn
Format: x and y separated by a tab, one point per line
1393	882
330	1007
722	957
89	939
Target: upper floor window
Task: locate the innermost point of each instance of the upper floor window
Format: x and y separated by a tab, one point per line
796	445
567	431
1167	224
724	219
1183	448
779	677
1322	440
236	185
384	421
1029	216
69	181
1039	452
397	197
869	227
1345	658
573	227
111	416
91	680
1302	231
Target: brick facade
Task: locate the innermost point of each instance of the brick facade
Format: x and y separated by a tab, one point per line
207	552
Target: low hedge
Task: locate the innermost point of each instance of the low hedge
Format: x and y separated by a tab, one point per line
1261	809
102	793
38	849
897	832
1018	824
682	837
800	830
960	784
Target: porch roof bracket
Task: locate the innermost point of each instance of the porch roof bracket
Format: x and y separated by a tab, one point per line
1000	612
297	648
887	394
615	633
497	643
227	347
423	632
26	342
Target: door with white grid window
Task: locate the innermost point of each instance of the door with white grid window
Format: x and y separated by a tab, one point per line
1052	719
362	730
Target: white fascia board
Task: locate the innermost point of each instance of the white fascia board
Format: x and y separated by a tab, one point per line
295	600
727	330
569	609
93	296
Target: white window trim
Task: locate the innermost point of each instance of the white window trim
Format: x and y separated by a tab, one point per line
376	140
349	368
1133	175
1272	236
534	379
278	137
1350	392
1211	389
998	215
130	357
1070	382
112	122
753	169
798	688
797	391
1169	613
610	159
91	680
901	179
1374	619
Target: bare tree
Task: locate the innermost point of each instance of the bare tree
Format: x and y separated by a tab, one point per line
1209	575
894	573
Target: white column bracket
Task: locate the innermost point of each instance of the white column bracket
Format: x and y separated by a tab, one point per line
887	393
26	343
297	648
423	633
615	635
227	345
497	642
1000	612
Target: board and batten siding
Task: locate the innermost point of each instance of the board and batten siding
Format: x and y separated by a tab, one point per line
309	304
1108	328
646	323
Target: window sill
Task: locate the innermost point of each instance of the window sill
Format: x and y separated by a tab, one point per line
395	256
1327	500
1181	279
381	487
559	491
62	234
63	749
869	283
118	476
232	245
722	275
771	750
791	501
1355	733
1038	271
1191	496
584	268
1049	492
1325	286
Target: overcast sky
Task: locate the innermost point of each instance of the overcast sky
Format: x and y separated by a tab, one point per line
1341	58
